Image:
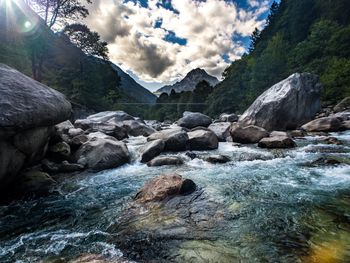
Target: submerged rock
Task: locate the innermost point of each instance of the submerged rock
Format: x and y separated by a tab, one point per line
217	159
203	140
64	167
94	258
286	105
333	140
152	149
165	160
102	153
277	142
191	120
34	182
249	134
163	187
326	124
329	160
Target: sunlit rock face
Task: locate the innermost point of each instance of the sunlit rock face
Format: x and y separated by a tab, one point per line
286	105
29	109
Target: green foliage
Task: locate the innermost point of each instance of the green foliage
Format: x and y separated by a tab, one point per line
300	36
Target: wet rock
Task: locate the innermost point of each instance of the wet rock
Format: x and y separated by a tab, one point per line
102	153
203	140
191	155
249	134
332	140
175	139
279	133
326	124
75	132
165	160
276	142
64	167
34	182
297	133
345	125
60	150
221	129
152	149
329	160
163	187
228	117
286	105
191	120
343	105
111	116
135	128
94	258
78	141
217	159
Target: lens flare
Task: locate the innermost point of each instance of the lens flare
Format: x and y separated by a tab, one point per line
27	24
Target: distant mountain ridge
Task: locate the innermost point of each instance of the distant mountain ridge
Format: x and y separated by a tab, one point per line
189	82
130	87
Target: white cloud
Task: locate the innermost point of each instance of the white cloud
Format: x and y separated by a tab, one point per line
208	26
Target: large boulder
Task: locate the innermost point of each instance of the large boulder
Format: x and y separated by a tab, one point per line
102	153
325	124
287	105
163	187
203	140
221	129
176	140
165	160
29	110
136	128
249	134
111	129
26	103
111	116
277	142
152	149
191	120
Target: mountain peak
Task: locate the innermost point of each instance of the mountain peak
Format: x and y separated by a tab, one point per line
189	82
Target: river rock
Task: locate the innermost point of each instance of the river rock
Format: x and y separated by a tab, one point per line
26	103
217	159
94	258
286	105
333	140
29	110
111	129
136	128
297	133
176	140
34	182
165	160
221	129
325	124
75	132
102	153
345	125
249	134
191	120
110	116
342	105
60	150
276	142
203	140
152	149
228	117
64	167
163	187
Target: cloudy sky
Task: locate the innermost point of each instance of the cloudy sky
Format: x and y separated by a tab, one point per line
158	41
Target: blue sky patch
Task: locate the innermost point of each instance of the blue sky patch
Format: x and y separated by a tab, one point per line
172	38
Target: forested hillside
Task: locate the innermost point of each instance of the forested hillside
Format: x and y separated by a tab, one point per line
300	36
30	46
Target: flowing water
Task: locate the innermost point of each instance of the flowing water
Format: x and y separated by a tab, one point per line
263	206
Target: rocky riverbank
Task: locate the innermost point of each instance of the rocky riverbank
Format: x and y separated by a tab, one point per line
41	148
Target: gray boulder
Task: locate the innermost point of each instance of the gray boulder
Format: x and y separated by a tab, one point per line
228	117
29	110
111	116
111	129
221	129
277	142
165	160
136	128
249	134
286	105
102	153
203	140
152	149
325	124
26	103
191	120
176	140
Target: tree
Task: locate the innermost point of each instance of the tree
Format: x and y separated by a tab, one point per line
60	11
86	40
254	39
